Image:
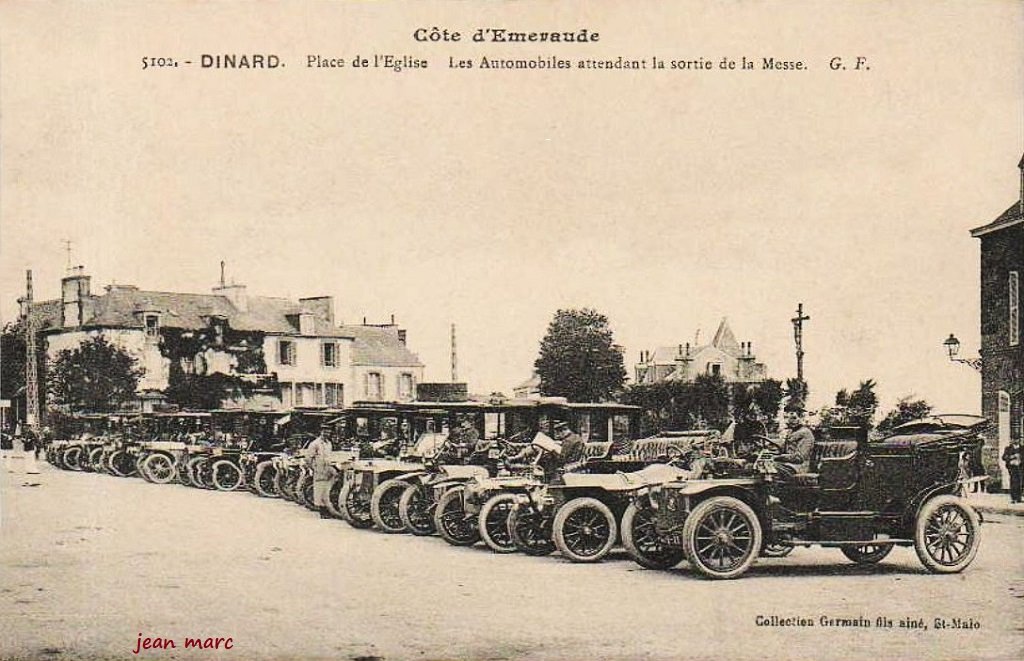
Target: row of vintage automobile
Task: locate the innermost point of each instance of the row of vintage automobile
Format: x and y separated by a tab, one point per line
491	473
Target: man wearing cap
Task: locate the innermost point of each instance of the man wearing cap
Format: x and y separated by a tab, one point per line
319	460
796	450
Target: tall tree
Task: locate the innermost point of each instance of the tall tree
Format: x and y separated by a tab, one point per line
863	404
12	360
578	358
95	376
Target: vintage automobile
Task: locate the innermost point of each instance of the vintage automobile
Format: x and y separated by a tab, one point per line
861	497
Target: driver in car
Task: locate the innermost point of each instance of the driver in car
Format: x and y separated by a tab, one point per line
796	450
572	454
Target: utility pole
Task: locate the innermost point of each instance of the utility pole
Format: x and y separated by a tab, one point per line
455	363
798	338
31	366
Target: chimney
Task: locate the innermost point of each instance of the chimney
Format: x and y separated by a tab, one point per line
74	290
234	293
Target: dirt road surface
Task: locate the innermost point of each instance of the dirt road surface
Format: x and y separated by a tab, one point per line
88	563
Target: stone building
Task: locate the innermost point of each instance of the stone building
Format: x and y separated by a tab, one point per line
724	356
1002	353
281	353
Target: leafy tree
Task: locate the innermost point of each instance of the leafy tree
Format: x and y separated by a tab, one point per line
677	405
756	406
796	391
907	409
95	376
852	408
12	360
578	358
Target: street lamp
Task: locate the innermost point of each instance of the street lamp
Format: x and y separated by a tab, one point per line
953	348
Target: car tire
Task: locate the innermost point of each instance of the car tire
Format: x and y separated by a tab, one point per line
642	543
71	458
384	506
265	480
530	531
492	523
354	509
734	553
333	491
947	534
226	476
95	461
450	519
116	461
414	508
584	530
158	468
867	554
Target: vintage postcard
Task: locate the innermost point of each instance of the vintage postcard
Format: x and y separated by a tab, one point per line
517	330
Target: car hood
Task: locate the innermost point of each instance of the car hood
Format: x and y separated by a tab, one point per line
653	474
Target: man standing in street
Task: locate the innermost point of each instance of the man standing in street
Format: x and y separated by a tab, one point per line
1013	458
319	459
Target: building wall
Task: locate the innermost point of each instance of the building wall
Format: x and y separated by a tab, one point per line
362	377
1002	364
131	340
307	381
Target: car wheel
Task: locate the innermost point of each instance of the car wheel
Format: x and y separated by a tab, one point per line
226	475
722	537
643	543
584	530
776	550
946	534
492	524
450	520
121	464
384	506
265	480
354	508
414	508
333	491
95	461
72	458
158	468
530	531
867	554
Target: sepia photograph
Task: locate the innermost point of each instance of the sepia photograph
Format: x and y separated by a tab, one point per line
511	330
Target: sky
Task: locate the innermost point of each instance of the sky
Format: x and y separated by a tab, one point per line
490	199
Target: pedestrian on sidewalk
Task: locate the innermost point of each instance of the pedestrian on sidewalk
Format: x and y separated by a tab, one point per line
30	443
1013	458
319	459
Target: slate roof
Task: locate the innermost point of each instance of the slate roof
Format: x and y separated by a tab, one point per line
379	346
1011	216
724	340
118	308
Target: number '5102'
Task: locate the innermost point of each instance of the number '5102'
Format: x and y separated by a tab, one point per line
148	62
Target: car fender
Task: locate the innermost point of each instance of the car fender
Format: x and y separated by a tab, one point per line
918	503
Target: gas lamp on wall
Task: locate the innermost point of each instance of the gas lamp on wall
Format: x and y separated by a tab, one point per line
953	348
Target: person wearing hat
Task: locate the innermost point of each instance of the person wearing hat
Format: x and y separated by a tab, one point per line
572	445
319	460
1013	458
799	443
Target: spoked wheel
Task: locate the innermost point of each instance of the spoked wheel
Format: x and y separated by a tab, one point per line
227	476
194	469
306	490
867	554
301	478
121	463
158	468
450	519
289	480
493	523
265	480
384	506
779	551
946	534
95	462
643	543
584	530
354	508
530	531
332	495
72	458
722	537
414	508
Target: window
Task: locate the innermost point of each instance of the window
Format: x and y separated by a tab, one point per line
333	394
286	395
319	394
285	352
329	354
405	386
715	369
1014	290
152	326
374	386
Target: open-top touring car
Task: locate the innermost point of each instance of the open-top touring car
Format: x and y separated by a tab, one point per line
859	496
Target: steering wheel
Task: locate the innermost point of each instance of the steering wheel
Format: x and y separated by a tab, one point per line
759	442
